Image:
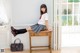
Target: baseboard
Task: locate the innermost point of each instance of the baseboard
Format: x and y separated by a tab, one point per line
27	49
23	25
9	49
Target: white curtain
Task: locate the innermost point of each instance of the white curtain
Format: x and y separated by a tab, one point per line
3	13
57	29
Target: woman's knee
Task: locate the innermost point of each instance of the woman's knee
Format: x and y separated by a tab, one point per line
29	28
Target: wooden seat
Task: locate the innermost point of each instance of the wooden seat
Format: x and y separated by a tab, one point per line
42	33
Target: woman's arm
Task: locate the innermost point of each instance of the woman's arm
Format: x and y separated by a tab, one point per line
46	23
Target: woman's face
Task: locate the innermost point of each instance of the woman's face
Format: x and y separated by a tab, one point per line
43	10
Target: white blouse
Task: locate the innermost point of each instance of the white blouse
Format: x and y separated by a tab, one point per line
43	18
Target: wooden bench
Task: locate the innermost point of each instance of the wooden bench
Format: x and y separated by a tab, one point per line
42	33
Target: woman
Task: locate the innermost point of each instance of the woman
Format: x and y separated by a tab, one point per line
41	25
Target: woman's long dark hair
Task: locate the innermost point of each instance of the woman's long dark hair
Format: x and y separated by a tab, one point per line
43	6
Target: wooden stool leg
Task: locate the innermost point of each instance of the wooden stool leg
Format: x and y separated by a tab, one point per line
49	34
30	43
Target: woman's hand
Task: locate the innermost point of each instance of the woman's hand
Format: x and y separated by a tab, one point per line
49	29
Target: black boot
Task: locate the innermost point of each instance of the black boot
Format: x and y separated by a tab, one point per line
13	31
19	31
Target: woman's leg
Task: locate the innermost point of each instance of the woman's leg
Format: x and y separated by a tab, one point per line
18	31
29	28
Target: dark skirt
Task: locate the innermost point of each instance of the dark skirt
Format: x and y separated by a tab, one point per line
38	27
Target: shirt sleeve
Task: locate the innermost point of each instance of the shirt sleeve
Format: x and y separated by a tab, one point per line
46	16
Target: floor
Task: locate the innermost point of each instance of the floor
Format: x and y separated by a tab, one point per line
63	50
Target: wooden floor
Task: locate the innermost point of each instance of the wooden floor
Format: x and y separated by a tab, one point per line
63	50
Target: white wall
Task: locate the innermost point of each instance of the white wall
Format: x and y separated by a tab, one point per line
26	12
29	11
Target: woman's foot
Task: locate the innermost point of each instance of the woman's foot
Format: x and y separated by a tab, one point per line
13	30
